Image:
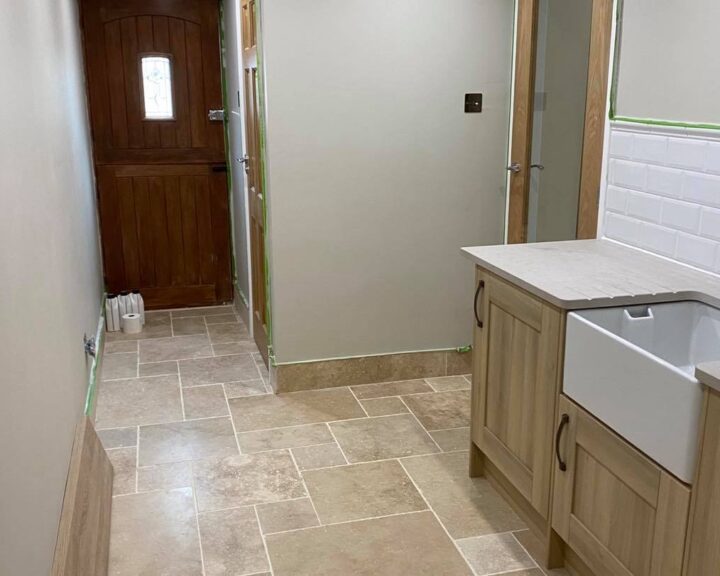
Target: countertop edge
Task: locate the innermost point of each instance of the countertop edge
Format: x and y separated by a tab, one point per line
709	374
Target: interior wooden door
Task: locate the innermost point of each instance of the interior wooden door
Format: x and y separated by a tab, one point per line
153	73
253	169
515	382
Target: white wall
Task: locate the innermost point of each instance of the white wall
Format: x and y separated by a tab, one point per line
49	271
233	78
376	176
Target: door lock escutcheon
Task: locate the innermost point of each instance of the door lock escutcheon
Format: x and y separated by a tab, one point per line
514	168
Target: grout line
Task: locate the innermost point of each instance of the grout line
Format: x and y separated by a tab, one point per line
137	457
199	357
267	553
232	421
527	551
338	443
358	401
182	398
197	517
421	425
307	492
427	503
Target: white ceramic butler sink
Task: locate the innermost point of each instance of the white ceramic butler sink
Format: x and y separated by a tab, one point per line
633	368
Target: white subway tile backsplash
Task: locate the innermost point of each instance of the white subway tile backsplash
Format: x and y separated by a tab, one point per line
663	193
687	153
650	148
681	215
701	188
664	181
628	174
621	144
696	251
710	223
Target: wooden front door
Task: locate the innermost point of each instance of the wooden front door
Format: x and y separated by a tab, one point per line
253	169
153	73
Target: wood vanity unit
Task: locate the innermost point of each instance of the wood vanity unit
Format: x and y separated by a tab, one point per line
595	503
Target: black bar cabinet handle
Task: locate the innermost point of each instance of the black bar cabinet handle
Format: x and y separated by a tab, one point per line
558	435
480	286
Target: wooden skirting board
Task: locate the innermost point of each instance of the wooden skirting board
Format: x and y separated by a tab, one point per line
84	533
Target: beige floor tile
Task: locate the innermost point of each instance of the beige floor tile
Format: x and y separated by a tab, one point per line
231	542
118	437
157	325
412	544
364	391
382	437
362	491
384	406
228	348
240	367
188	326
191	440
204	402
123	461
452	440
159	368
164	476
246	479
155	533
120	347
528	572
441	410
319	456
290	437
202	311
466	506
264	374
178	348
222	333
121	365
287	515
242	389
495	554
221	319
122	403
270	411
447	383
536	548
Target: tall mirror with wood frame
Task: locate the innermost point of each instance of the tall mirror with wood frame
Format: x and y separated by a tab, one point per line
562	57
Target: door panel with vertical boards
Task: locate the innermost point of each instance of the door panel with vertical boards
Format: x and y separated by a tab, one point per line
153	71
253	168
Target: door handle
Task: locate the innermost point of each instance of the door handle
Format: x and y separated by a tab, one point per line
538	166
480	287
246	161
514	168
558	435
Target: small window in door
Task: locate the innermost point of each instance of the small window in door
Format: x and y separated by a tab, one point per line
156	73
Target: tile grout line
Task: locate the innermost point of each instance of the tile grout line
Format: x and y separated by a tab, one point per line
358	401
537	565
338	443
302	479
197	517
427	503
232	420
427	432
182	398
137	457
267	552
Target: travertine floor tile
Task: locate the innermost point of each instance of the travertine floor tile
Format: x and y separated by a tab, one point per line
218	370
412	544
382	437
221	319
452	440
158	368
118	437
202	311
120	347
228	348
246	479
362	491
441	410
164	476
222	333
138	401
248	388
495	553
191	440
123	461
121	365
287	515
204	402
384	406
155	533
364	391
270	411
231	542
157	325
466	506
319	456
188	326
291	437
178	348
447	383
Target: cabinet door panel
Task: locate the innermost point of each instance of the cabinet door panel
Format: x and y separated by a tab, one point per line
618	510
